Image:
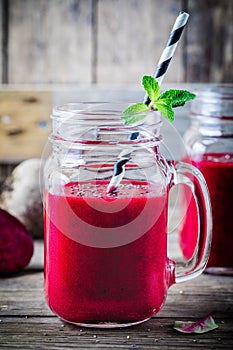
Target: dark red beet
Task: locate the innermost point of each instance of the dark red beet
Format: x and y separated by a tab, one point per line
16	244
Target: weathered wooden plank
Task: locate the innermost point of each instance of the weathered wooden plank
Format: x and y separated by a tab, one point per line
24	121
1	39
209	41
50	41
42	333
131	37
114	41
4	31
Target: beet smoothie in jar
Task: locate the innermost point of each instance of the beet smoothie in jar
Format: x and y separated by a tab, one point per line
106	259
210	145
90	284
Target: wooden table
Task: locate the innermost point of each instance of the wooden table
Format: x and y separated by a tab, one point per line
27	323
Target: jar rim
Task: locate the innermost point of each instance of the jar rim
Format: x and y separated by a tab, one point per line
97	112
213	101
223	91
102	123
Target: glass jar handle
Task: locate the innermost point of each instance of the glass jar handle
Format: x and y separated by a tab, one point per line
189	175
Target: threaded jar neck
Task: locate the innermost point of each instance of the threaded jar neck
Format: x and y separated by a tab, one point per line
212	111
101	123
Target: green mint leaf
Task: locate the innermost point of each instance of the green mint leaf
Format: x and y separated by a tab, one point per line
135	113
165	108
177	97
163	103
205	325
136	108
151	86
134	118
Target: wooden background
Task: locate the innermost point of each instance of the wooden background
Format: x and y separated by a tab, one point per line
112	41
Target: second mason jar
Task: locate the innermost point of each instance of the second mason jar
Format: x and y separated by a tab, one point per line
210	145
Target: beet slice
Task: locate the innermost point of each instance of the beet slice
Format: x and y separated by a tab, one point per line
16	244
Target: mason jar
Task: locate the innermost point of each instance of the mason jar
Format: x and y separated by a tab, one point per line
106	261
209	141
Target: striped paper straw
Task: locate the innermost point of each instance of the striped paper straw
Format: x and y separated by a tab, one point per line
118	174
169	50
165	59
119	166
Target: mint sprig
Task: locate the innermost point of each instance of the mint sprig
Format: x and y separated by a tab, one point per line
164	103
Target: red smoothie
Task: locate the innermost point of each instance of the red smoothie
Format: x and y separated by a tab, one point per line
218	172
122	284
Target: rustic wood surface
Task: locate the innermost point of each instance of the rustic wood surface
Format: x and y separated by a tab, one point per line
209	41
1	38
27	323
109	41
46	37
24	124
131	37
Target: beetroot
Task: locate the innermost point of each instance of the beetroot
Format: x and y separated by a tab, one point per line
21	196
16	244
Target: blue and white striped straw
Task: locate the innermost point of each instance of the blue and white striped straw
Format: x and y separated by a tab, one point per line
169	50
165	59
